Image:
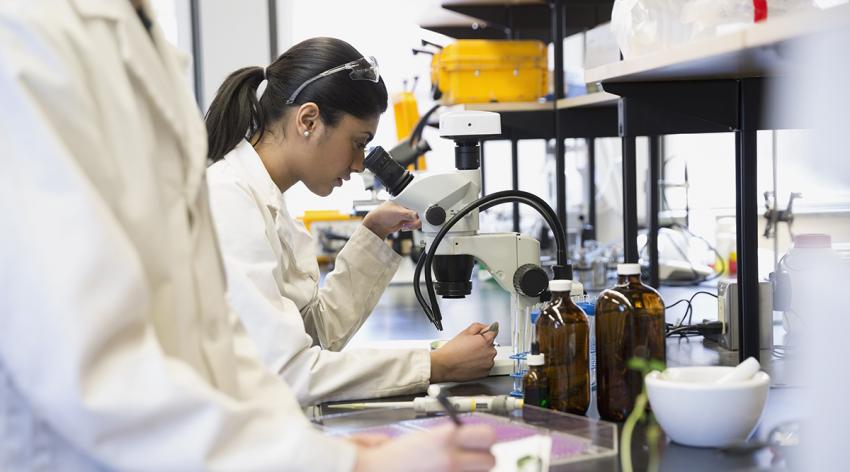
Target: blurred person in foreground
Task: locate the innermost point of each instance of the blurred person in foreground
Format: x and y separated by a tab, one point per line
118	351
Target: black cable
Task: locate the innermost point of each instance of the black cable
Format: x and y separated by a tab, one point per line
542	207
416	134
691	300
684	300
711	327
508	196
689	310
418	290
485	203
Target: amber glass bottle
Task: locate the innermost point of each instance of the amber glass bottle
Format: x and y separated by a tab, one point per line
629	323
535	383
564	338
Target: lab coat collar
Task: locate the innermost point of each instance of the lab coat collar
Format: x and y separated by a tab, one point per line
146	58
245	156
103	8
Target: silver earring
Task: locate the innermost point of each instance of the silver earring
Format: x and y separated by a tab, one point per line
306	134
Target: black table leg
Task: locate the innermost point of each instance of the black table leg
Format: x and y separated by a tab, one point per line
515	180
591	185
558	19
652	206
747	217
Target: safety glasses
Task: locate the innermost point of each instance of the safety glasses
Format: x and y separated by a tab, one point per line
365	68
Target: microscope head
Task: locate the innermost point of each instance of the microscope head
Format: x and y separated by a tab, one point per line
437	197
470	125
453	272
467	129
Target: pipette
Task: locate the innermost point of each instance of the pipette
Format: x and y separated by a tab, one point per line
495	404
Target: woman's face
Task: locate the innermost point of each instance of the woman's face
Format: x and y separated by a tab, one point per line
338	152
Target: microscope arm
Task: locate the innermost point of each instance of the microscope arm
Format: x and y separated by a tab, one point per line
444	190
437	197
503	254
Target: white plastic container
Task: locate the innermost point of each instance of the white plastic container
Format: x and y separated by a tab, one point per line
806	274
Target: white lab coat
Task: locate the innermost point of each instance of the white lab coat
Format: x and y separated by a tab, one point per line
273	283
117	350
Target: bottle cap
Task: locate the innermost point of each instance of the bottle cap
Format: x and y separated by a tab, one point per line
559	285
536	359
628	269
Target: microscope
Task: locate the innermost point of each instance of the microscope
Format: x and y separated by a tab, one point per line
448	205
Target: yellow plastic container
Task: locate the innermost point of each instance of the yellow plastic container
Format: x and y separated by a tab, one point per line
406	113
316	216
480	71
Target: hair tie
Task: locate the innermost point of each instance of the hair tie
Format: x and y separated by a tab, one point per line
261	87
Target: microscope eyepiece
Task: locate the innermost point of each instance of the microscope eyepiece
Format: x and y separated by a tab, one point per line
389	172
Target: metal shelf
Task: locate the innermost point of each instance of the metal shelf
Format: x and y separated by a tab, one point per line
585	116
716	85
531	19
757	51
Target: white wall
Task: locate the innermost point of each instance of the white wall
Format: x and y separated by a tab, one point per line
386	29
233	35
174	17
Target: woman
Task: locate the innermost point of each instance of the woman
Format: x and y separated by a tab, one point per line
318	109
118	351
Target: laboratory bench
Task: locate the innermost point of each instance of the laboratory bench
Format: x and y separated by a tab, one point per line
398	316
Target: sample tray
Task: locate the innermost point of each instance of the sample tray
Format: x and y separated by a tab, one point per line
574	438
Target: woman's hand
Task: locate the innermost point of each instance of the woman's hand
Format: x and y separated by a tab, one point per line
469	355
390	217
447	448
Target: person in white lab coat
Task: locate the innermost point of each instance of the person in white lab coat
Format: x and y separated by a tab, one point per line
318	107
117	349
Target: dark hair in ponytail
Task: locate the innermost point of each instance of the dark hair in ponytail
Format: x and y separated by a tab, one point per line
235	113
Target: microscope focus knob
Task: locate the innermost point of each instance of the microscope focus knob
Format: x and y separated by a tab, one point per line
435	215
530	280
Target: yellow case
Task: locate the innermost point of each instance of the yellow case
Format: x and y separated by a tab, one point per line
480	71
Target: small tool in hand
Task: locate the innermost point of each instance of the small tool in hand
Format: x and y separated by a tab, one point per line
494	327
450	409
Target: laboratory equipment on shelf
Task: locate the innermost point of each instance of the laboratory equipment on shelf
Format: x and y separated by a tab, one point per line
773	216
629	323
727	314
448	204
564	337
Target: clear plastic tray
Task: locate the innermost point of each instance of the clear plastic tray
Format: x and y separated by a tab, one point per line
574	438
